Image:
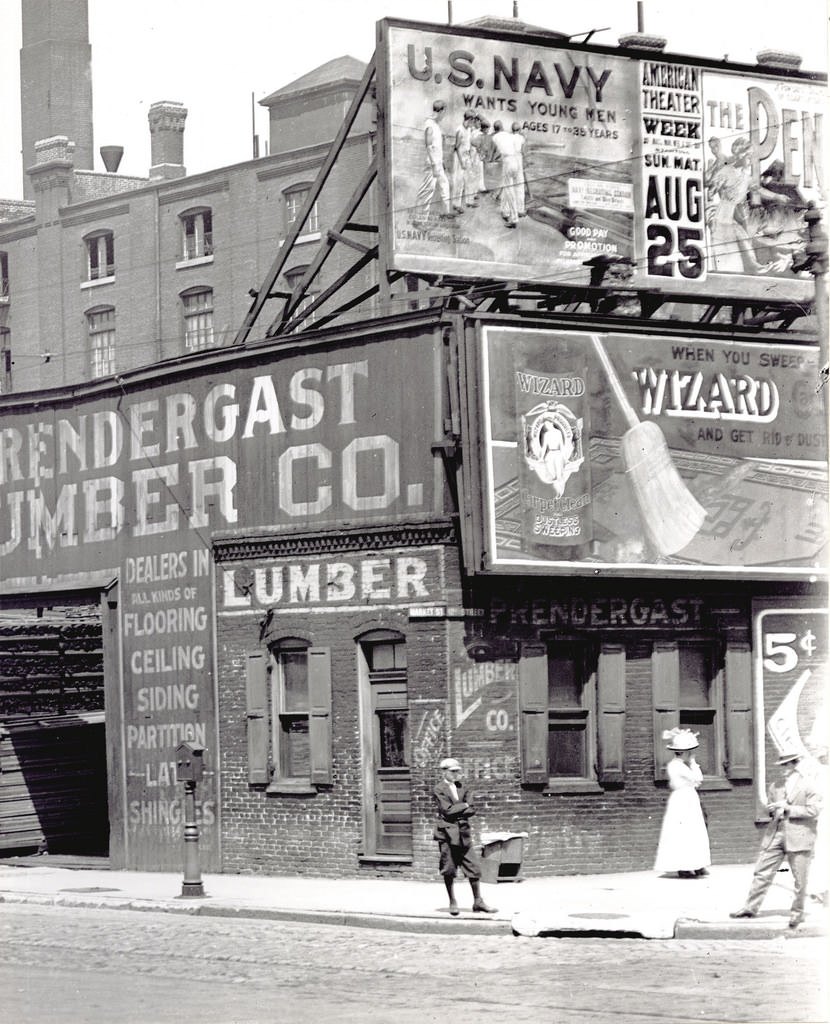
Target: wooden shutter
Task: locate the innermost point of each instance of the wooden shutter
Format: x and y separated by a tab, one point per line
319	725
256	696
611	709
533	700
738	683
665	678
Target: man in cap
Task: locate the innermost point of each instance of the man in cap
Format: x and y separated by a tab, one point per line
794	803
452	832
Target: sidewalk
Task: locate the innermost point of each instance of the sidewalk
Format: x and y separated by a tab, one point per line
632	904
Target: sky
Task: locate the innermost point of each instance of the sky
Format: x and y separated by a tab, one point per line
213	55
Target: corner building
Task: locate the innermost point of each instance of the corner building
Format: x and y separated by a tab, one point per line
507	502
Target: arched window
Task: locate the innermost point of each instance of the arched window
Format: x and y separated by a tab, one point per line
100	255
197	312
197	233
101	331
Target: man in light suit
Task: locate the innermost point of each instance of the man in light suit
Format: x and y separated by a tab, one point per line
794	803
453	834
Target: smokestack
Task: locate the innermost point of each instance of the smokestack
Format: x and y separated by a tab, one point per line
111	155
55	80
167	139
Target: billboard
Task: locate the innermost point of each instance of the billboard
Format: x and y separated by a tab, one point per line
619	453
790	680
527	159
132	481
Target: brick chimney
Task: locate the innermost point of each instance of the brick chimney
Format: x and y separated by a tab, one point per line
55	80
52	175
167	139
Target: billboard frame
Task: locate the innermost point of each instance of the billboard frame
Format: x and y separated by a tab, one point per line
741	290
478	527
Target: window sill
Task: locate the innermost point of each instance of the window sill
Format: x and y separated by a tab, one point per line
714	785
312	236
98	281
197	261
290	787
571	786
383	858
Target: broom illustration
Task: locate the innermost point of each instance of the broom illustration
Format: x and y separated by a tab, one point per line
669	511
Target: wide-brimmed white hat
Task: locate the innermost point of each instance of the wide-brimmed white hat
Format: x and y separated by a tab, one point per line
681	739
450	764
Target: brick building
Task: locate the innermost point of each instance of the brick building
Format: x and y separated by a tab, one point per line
329	557
103	272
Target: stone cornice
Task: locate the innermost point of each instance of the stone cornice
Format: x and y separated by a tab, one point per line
101	212
245	545
183	195
55	174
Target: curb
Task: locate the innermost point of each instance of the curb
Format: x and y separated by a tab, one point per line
684	928
196	908
687	928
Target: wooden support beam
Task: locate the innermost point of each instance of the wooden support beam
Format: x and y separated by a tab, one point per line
314	192
306	311
325	249
337	236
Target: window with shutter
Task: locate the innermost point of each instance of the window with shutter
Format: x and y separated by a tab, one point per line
688	684
611	714
738	685
288	691
319	726
557	696
256	694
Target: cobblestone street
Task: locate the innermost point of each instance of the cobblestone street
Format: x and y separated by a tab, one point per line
80	965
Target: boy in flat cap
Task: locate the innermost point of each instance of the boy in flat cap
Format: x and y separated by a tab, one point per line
452	832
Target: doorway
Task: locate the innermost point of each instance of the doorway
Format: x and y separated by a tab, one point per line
386	746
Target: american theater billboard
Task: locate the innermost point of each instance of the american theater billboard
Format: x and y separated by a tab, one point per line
624	453
521	158
131	482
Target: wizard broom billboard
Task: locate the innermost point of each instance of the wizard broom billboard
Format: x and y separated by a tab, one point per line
606	452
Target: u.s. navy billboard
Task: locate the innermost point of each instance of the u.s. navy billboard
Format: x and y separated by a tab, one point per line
638	454
130	481
523	158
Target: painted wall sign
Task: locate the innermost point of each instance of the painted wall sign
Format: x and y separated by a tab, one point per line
131	482
691	456
304	442
484	698
393	578
520	158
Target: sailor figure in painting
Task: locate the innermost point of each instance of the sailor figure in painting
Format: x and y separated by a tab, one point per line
435	174
684	839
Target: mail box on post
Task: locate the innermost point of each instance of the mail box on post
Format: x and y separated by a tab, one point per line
189	762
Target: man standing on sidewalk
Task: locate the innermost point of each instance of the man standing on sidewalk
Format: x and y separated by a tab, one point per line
453	834
794	804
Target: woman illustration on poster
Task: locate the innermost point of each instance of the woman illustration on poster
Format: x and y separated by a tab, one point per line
730	246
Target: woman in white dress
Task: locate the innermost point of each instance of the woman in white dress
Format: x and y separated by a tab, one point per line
684	839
